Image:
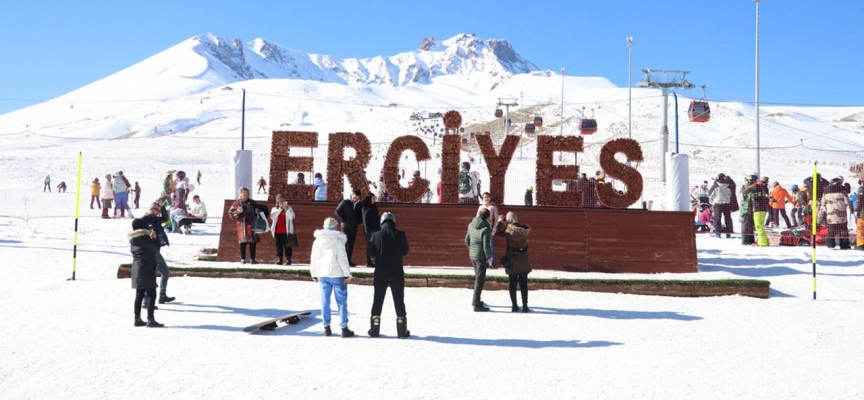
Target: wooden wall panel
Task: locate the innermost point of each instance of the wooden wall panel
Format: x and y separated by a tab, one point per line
568	239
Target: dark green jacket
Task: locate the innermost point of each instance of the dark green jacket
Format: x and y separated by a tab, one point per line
478	240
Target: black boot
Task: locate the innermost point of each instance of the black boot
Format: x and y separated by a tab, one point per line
525	308
289	261
347	332
844	244
327	331
374	326
279	262
515	308
151	323
145	302
402	327
163	298
139	322
480	307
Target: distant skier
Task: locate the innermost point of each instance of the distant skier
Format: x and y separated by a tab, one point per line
137	191
47	184
61	188
197	179
262	185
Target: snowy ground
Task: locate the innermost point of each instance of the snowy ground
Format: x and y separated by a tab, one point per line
63	339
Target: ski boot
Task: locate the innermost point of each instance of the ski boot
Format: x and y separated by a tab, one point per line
402	327
374	326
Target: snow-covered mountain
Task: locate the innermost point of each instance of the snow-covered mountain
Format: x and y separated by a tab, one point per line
193	90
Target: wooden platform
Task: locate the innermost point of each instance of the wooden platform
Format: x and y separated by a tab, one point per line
568	239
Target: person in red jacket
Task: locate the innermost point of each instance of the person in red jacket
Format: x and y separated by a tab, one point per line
779	198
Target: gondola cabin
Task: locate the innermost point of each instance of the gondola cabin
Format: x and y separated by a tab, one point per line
538	122
699	111
472	135
499	113
587	126
530	130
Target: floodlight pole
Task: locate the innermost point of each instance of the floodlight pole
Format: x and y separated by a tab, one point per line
758	166
630	85
561	153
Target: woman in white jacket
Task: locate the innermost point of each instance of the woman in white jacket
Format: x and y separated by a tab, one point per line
329	267
282	228
107	196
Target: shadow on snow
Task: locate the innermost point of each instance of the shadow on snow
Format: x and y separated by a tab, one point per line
616	314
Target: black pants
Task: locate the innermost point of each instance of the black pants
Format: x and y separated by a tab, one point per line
96	199
281	248
522	280
397	285
838	234
351	232
479	279
724	211
251	250
139	296
781	212
137	197
797	217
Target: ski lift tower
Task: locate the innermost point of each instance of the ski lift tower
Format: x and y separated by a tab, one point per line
664	80
507	102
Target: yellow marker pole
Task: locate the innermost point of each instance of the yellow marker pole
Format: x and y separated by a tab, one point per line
77	207
814	216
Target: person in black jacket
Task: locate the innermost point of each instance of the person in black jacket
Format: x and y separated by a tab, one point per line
370	224
154	218
144	248
529	196
389	245
350	214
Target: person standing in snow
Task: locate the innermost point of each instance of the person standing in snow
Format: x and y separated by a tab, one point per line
198	178
282	229
517	262
262	184
244	210
155	216
493	217
529	196
469	183
137	191
799	201
835	205
758	194
478	240
389	246
144	248
779	198
328	265
95	187
320	187
47	184
121	196
107	196
859	210
371	224
721	195
350	213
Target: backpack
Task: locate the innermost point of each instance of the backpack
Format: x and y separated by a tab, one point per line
464	183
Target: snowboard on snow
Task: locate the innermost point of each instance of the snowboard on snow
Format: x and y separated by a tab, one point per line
272	324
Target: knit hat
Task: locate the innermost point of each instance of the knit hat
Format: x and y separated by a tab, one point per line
530	188
794	187
138	223
331	223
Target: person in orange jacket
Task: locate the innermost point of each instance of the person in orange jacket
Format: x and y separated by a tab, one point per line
779	198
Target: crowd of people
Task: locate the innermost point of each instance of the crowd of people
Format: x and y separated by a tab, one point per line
763	204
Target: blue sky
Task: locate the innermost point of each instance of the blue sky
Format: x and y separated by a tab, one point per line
809	50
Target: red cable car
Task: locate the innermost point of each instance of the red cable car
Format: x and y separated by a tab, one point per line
499	113
699	111
587	126
538	122
530	130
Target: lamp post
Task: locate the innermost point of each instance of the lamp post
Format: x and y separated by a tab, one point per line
758	169
630	86
561	154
